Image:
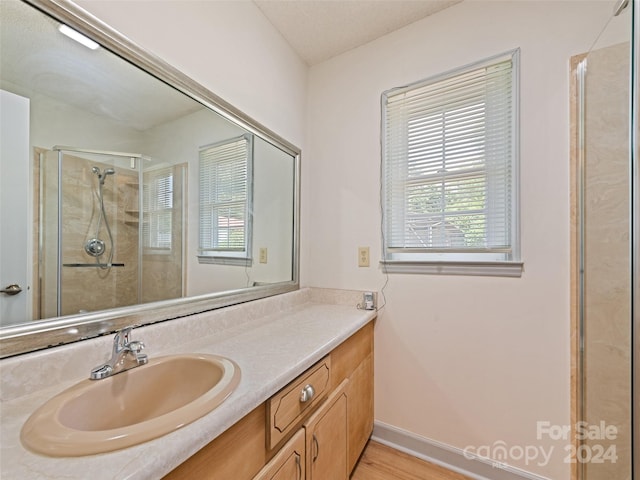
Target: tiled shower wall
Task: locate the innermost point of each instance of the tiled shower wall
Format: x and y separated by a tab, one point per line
607	300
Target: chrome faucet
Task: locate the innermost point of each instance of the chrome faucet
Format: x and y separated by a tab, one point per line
125	356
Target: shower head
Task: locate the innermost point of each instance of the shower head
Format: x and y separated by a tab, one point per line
103	174
106	171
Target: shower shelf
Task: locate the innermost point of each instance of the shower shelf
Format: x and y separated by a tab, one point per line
88	265
132	213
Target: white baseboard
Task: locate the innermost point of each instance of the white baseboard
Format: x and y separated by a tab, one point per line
447	456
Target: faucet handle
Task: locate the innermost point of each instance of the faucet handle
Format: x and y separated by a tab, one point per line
123	343
135	346
123	337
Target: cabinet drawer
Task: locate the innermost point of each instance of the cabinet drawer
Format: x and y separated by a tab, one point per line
287	408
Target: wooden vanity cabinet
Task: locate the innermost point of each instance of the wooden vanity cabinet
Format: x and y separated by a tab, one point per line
319	442
237	454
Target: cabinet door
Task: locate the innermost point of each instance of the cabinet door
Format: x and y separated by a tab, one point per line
360	409
289	463
326	438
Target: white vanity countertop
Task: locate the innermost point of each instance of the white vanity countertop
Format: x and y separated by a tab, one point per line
270	351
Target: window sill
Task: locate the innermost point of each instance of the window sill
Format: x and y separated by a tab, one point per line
488	269
233	261
157	252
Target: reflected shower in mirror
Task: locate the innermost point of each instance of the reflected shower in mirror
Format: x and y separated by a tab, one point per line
102	243
206	204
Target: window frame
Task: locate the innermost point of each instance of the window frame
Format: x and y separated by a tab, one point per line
221	256
155	213
465	261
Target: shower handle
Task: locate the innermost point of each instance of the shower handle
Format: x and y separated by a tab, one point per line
95	247
12	289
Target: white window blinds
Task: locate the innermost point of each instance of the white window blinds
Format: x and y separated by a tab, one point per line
224	197
450	164
158	209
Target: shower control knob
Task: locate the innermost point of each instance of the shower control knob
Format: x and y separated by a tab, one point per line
94	247
12	289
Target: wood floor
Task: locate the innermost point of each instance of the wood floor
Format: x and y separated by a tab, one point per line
379	462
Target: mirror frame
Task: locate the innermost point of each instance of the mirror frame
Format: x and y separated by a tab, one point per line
41	334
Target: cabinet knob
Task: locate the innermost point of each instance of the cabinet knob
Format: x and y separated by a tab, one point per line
307	393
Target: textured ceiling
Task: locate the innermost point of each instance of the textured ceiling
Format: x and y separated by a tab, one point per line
320	29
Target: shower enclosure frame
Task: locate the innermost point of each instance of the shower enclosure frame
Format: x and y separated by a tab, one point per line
61	150
578	471
635	237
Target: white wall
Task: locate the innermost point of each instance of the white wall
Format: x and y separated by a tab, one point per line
466	361
227	46
57	123
273	192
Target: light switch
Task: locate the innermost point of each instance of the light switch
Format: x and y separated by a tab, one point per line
263	255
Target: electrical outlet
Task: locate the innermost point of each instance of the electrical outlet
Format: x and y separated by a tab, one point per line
363	256
263	255
367	301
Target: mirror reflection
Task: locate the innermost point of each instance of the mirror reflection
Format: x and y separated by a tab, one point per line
119	190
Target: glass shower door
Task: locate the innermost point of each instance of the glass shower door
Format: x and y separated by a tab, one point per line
605	246
91	229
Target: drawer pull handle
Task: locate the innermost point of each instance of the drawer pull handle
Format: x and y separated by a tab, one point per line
307	393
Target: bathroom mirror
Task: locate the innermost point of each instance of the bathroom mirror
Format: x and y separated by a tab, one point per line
129	194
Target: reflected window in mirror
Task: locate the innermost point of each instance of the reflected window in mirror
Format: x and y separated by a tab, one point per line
159	206
226	202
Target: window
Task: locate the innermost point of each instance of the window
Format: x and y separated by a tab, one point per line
450	165
225	201
158	210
